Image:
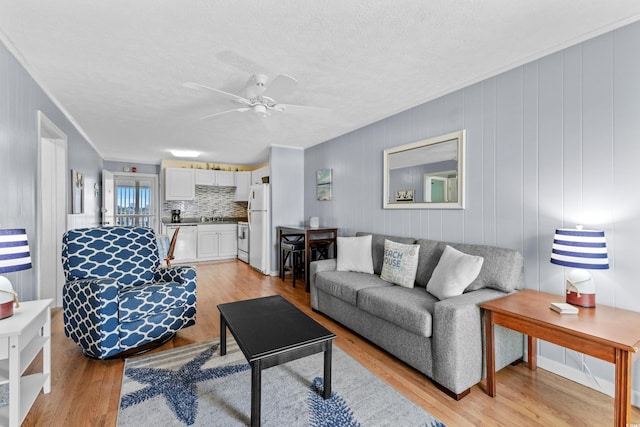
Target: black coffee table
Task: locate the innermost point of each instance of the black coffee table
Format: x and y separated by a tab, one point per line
271	331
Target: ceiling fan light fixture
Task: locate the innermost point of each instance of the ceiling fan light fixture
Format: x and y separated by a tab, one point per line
260	109
184	153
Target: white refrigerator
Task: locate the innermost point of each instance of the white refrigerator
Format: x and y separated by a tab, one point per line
259	228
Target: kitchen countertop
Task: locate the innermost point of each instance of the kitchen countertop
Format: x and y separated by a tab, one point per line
197	221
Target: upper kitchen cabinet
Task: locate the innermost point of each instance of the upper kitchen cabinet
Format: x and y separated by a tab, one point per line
225	178
243	182
205	177
215	177
258	174
179	184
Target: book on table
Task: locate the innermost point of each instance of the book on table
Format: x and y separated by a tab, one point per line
563	308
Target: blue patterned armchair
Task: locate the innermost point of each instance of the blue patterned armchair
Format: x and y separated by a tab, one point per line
116	297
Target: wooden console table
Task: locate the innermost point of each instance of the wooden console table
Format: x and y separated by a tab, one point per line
310	234
604	332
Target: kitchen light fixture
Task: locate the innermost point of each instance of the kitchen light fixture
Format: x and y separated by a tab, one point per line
14	256
184	153
582	250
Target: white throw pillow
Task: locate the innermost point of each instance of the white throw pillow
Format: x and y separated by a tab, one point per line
354	254
400	263
454	272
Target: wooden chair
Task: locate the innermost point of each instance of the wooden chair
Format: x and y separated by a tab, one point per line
172	246
320	248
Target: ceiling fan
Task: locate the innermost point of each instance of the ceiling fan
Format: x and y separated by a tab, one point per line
259	96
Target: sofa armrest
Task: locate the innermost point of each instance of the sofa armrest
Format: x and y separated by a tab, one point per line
317	267
458	339
90	311
185	276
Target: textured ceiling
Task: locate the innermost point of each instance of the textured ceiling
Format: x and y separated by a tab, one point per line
118	67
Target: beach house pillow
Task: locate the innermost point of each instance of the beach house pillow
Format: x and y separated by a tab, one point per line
400	263
354	254
454	272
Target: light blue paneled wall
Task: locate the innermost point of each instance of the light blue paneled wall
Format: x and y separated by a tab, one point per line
21	99
287	192
550	144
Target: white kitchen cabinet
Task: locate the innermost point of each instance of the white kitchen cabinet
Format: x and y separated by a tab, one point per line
258	174
225	178
228	243
214	177
179	184
217	241
207	244
243	182
205	177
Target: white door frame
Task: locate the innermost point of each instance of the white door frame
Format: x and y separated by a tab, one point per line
155	194
52	224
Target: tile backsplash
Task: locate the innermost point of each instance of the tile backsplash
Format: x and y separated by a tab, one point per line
210	201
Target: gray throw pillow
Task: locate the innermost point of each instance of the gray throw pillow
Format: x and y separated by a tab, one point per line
454	272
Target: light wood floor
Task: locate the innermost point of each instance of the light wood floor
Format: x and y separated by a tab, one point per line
86	392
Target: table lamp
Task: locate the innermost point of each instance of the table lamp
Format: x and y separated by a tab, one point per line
14	256
582	250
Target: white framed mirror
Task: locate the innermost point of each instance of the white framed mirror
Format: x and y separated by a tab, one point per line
427	174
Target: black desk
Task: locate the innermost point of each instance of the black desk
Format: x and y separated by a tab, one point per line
310	234
271	331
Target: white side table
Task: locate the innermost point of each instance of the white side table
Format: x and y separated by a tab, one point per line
22	336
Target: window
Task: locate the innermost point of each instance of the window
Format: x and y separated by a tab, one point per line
135	201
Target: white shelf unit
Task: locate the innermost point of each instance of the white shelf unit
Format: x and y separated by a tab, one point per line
22	337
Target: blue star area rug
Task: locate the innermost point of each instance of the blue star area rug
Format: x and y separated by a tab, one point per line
194	386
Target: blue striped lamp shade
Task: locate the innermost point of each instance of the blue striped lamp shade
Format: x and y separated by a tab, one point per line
578	248
14	250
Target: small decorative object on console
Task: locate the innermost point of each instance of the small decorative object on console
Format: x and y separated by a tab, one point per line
563	308
404	196
14	256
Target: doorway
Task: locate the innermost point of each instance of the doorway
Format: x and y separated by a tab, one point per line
52	208
130	199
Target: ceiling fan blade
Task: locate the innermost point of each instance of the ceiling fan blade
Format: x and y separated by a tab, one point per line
240	110
302	109
237	98
281	86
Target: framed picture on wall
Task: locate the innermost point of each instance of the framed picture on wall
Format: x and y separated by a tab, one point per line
324	192
323	184
77	192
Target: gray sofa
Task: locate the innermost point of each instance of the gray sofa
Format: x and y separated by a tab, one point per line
442	339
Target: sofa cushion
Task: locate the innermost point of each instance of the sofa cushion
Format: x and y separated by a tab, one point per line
354	254
454	272
502	268
377	247
400	263
346	284
408	308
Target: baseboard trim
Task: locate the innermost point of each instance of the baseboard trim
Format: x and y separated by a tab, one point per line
602	385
